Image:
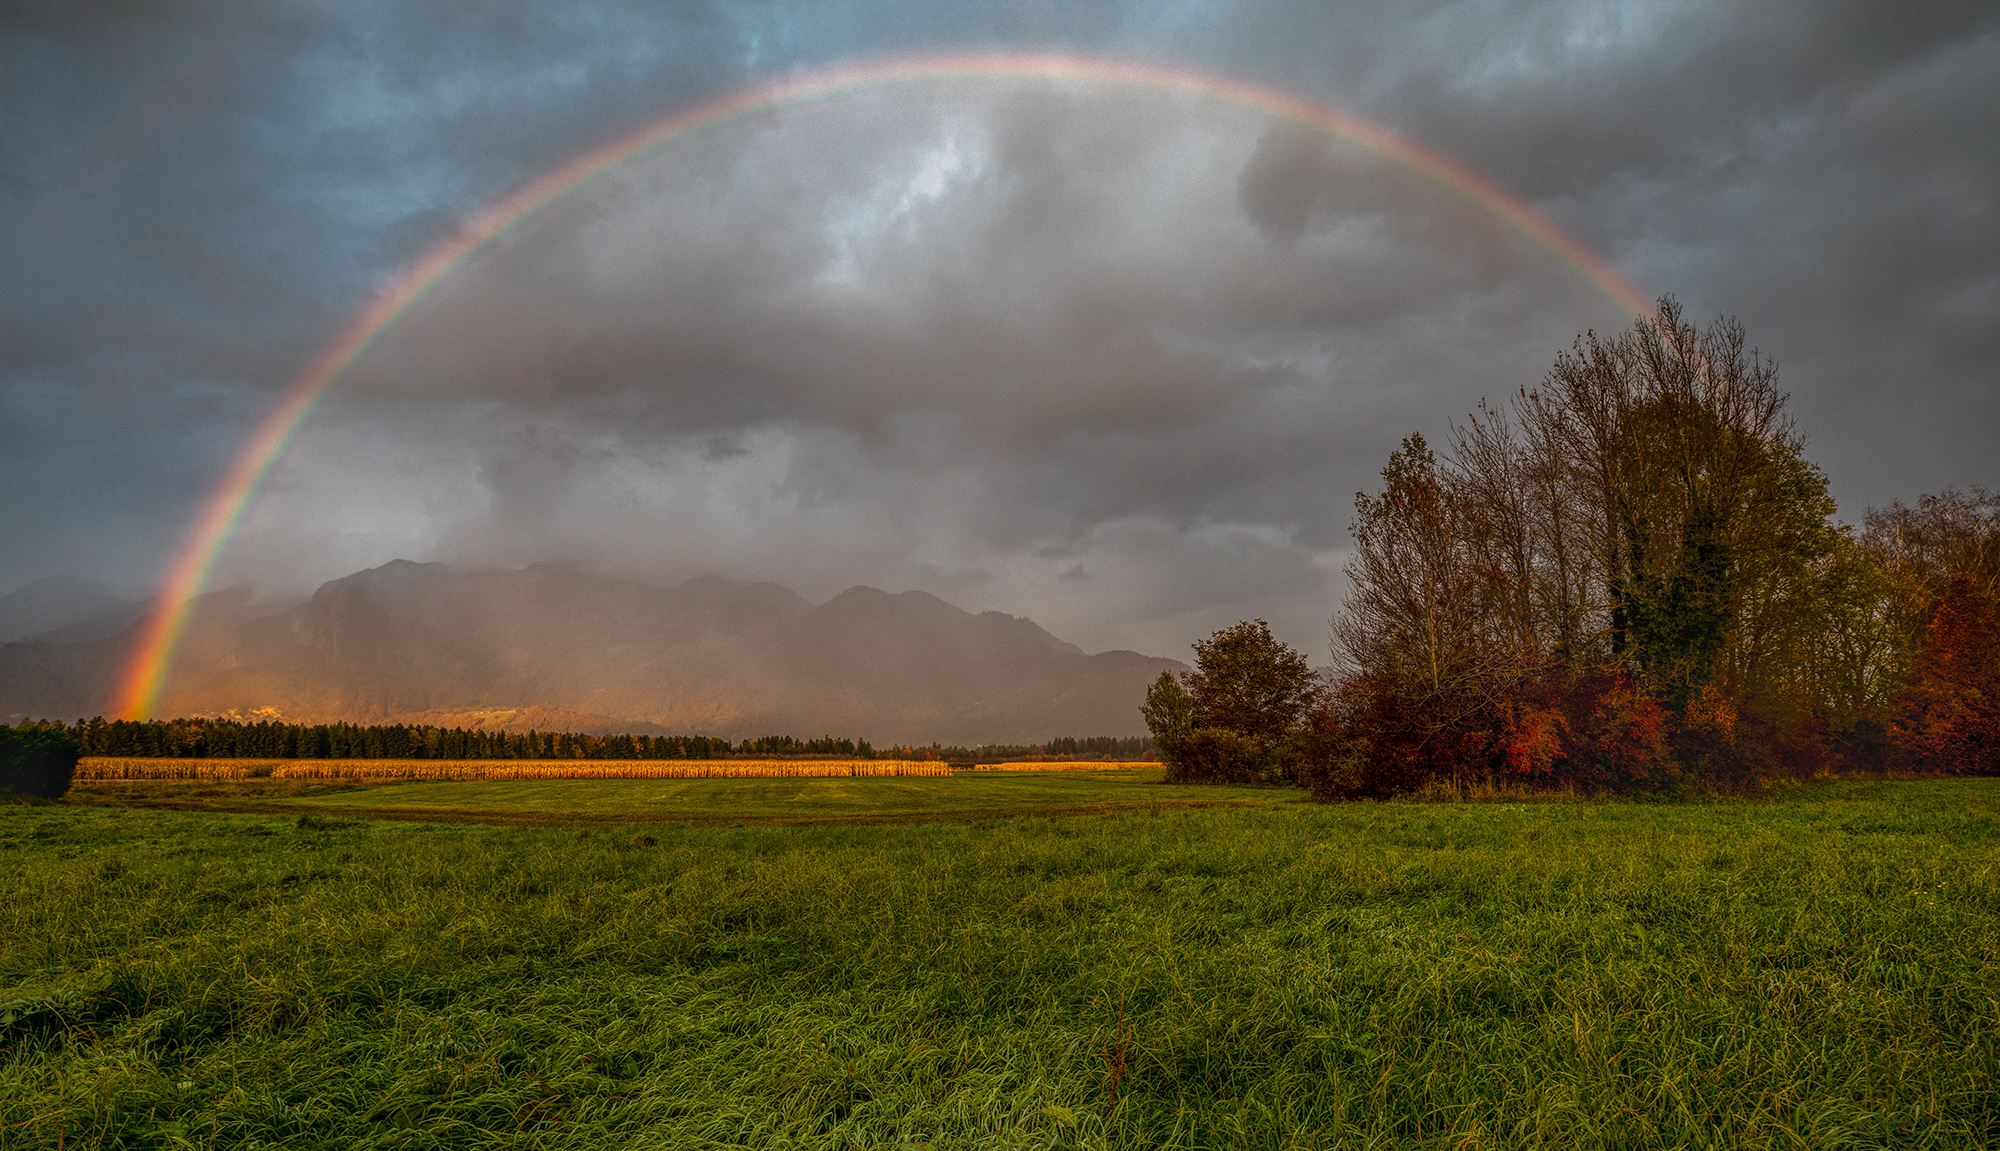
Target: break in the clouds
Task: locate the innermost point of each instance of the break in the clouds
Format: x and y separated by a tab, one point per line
1115	360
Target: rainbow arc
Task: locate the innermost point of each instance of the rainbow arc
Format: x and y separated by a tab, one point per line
153	656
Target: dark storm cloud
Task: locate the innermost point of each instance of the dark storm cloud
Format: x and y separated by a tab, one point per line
1825	172
1115	363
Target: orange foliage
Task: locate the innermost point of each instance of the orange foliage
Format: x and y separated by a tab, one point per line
1710	711
1532	738
1594	731
1947	717
1621	736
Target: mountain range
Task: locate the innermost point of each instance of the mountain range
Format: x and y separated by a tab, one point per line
555	647
77	609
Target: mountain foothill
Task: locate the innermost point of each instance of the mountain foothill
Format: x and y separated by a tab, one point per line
555	646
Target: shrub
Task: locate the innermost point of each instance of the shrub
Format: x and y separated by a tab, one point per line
36	761
1620	737
1368	740
1362	742
1219	755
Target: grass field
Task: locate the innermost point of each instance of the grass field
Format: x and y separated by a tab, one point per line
1821	970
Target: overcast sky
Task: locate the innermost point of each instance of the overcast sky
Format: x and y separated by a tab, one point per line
1114	360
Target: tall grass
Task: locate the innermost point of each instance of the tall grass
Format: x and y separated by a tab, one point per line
1819	971
102	769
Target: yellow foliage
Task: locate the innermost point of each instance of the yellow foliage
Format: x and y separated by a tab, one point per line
114	768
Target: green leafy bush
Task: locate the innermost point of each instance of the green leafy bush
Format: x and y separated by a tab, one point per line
36	761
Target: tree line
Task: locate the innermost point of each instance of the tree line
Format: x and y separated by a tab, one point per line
206	738
1125	748
1629	577
214	738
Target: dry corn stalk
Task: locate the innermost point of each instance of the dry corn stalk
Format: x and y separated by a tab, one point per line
137	768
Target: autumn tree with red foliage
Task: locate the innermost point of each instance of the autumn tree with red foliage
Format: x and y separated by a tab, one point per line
1947	717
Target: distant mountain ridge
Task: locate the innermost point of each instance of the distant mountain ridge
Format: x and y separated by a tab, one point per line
51	607
410	642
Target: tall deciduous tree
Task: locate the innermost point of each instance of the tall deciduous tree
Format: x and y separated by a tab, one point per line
1248	681
1237	717
1643	520
1674	442
37	759
1169	714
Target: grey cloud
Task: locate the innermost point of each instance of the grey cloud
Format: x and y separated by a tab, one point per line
975	339
942	337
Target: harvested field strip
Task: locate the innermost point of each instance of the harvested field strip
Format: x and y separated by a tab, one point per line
99	769
1067	765
311	808
964	795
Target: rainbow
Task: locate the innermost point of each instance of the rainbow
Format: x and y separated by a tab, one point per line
153	656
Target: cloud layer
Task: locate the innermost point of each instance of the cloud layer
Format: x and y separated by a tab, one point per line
1116	360
1113	360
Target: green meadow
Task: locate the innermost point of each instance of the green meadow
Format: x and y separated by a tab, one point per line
870	965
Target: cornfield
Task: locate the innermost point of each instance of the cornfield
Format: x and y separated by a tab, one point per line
112	768
94	768
1067	765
